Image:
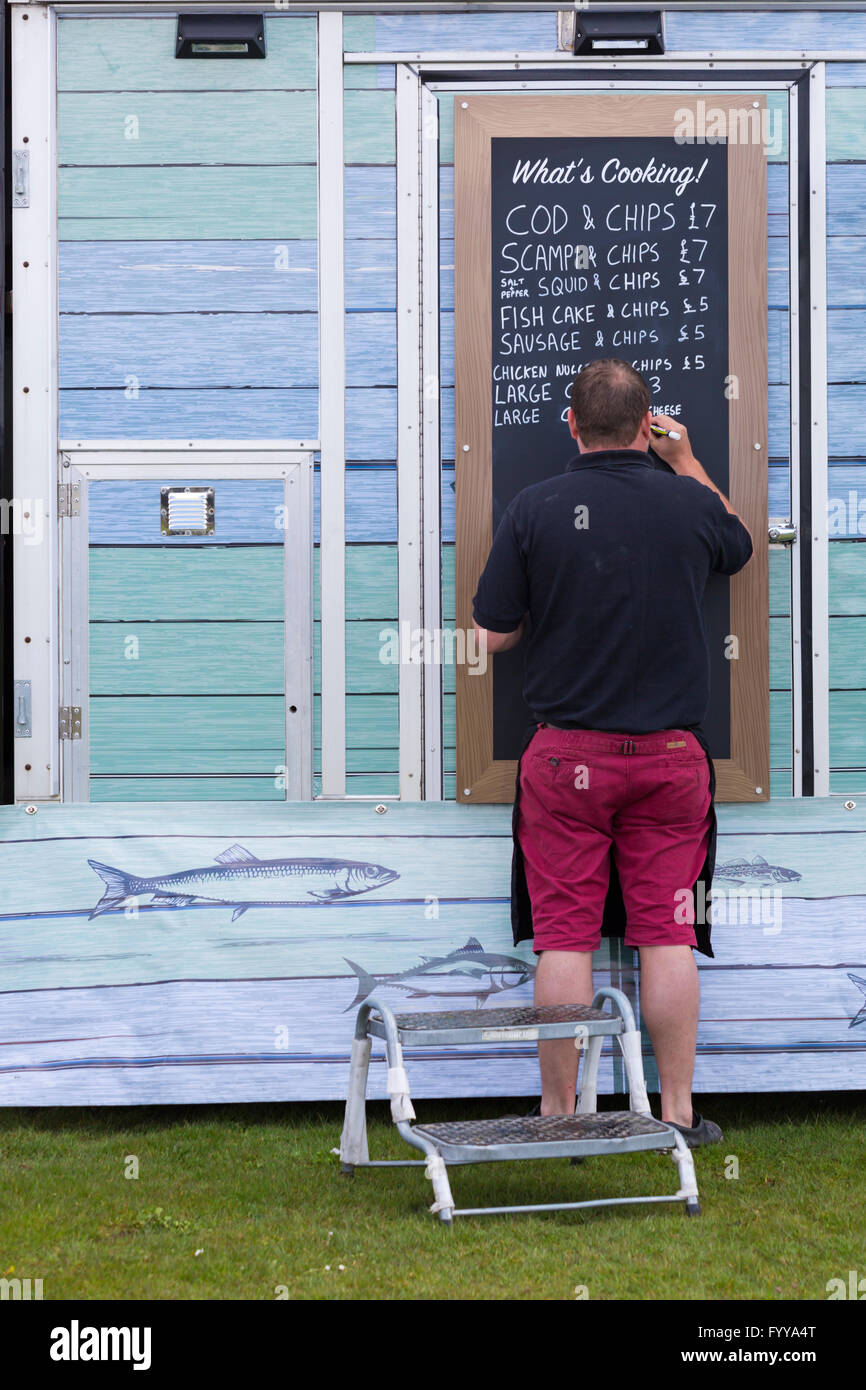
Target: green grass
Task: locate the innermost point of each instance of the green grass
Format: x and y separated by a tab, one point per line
256	1190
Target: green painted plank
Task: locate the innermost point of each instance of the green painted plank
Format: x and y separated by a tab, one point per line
367	75
372	722
359	33
370	129
134	204
366	784
109	128
371	581
781	745
448	599
781	783
186	789
848	653
847	728
846	783
187	658
780	582
366	672
846	123
240	734
120	54
780	653
138	583
847	577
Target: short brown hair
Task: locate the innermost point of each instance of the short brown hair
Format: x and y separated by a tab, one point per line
609	399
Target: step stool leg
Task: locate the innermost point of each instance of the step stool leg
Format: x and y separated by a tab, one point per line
587	1096
632	1055
353	1140
688	1190
443	1202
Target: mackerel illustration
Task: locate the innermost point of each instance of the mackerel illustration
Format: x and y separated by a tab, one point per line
238	879
470	972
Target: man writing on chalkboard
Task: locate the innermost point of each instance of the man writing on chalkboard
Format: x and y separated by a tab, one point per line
609	560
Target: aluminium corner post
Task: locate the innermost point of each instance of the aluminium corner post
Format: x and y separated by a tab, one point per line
819	656
409	486
34	395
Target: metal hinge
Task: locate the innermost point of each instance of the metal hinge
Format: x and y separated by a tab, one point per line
23	719
782	533
68	499
69	721
20	178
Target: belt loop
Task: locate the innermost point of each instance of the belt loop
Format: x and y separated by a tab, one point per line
627	746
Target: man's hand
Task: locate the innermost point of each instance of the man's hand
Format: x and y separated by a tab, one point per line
678	454
493	642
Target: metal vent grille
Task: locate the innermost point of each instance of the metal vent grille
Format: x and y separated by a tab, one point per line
187	511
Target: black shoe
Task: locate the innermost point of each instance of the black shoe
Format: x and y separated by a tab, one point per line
700	1132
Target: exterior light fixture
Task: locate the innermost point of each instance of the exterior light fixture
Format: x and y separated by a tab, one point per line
622	33
220	36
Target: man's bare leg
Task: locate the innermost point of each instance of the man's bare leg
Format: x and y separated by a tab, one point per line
669	1002
561	977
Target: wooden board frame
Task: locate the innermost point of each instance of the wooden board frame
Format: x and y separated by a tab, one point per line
745	775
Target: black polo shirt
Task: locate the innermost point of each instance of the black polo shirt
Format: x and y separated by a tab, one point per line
610	560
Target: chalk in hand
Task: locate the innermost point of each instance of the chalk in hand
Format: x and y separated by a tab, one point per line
671	434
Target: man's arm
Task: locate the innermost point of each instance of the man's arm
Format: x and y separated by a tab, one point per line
502	600
494	642
678	453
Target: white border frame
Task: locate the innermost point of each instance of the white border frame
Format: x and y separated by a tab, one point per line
34	396
208	465
431	452
332	404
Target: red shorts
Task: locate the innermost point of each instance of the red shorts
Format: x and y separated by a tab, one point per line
583	798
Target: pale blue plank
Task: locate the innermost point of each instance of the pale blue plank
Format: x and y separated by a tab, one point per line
173	276
192	414
846	283
414	33
846	345
371	203
846	74
371	349
371	275
371	504
192	351
846	501
767	33
846	200
371	423
125	512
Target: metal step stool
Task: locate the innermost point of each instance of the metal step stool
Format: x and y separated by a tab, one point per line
490	1141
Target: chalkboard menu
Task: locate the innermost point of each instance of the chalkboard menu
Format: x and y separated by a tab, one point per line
603	250
587	226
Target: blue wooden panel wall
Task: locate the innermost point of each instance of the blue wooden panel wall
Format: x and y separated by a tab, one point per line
187	223
159	1002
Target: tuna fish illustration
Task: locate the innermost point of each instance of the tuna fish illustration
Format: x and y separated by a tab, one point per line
467	973
238	879
755	870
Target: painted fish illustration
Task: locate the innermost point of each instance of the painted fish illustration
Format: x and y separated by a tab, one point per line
238	879
861	985
755	870
443	976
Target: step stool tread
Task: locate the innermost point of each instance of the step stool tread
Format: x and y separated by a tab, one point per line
544	1129
502	1018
